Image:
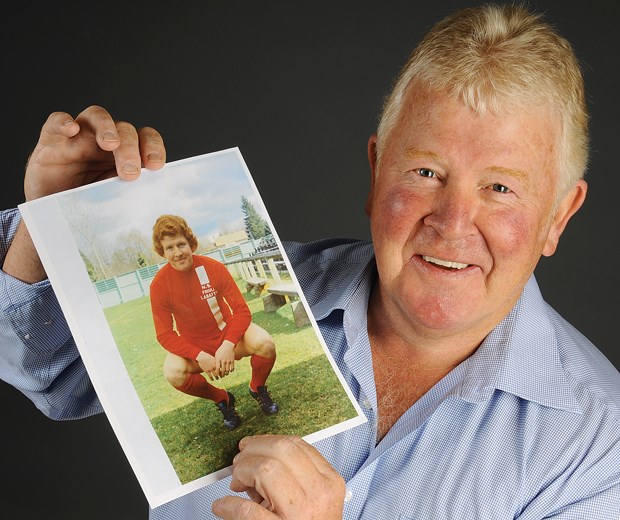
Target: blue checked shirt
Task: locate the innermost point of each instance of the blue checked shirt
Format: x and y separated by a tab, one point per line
526	428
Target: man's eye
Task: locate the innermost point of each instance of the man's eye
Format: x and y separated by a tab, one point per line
425	172
500	188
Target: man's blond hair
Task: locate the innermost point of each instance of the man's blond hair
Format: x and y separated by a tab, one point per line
495	57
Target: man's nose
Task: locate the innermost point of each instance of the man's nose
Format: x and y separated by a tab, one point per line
453	213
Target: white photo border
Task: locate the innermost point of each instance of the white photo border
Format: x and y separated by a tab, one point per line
77	296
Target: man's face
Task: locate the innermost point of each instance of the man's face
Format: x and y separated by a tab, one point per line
461	210
178	252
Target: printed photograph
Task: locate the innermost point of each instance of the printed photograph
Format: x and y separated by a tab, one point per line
202	310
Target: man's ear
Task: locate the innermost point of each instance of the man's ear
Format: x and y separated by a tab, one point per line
567	207
372	161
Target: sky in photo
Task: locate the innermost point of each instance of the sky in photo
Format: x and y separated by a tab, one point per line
205	190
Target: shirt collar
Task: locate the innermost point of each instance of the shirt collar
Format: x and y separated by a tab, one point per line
358	281
520	355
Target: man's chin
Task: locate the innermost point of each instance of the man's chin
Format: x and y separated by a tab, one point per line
443	311
183	265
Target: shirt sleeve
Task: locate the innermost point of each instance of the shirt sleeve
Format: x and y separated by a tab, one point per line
38	355
164	323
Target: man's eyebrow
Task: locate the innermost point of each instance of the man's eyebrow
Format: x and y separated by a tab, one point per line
413	153
512	172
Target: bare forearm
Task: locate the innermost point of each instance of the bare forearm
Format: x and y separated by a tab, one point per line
22	260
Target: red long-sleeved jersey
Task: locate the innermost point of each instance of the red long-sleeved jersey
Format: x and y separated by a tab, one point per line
197	309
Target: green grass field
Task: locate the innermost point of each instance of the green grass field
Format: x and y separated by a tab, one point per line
190	429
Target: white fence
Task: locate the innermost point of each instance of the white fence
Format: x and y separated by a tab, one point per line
241	259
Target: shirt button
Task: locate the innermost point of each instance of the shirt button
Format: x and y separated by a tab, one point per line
348	496
26	336
367	404
48	322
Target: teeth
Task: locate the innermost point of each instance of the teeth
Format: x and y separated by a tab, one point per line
444	263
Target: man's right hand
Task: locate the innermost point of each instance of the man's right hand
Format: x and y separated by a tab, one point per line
208	365
74	152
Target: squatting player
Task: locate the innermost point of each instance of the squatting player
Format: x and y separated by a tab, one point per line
203	321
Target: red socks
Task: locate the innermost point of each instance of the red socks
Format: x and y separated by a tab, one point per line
261	368
198	386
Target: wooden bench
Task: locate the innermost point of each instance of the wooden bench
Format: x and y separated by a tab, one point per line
255	284
277	297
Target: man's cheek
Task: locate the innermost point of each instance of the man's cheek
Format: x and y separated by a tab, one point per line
511	231
397	212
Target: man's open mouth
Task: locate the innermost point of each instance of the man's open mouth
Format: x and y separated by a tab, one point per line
447	264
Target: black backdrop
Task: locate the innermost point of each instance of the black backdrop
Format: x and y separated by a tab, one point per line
297	86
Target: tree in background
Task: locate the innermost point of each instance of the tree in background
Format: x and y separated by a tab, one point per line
255	225
90	268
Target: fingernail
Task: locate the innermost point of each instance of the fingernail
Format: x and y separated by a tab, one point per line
154	157
130	168
109	136
69	122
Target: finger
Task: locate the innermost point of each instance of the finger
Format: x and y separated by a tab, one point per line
270	482
127	154
121	138
152	149
255	496
231	507
58	125
99	121
270	445
289	475
319	462
300	455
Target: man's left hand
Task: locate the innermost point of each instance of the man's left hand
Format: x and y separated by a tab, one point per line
286	478
225	358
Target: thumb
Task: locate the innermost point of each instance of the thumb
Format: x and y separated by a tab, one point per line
237	508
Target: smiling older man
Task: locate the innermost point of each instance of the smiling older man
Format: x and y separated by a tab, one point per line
482	402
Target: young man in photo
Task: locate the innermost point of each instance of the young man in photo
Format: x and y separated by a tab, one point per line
203	321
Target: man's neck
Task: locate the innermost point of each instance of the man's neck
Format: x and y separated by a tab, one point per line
408	360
